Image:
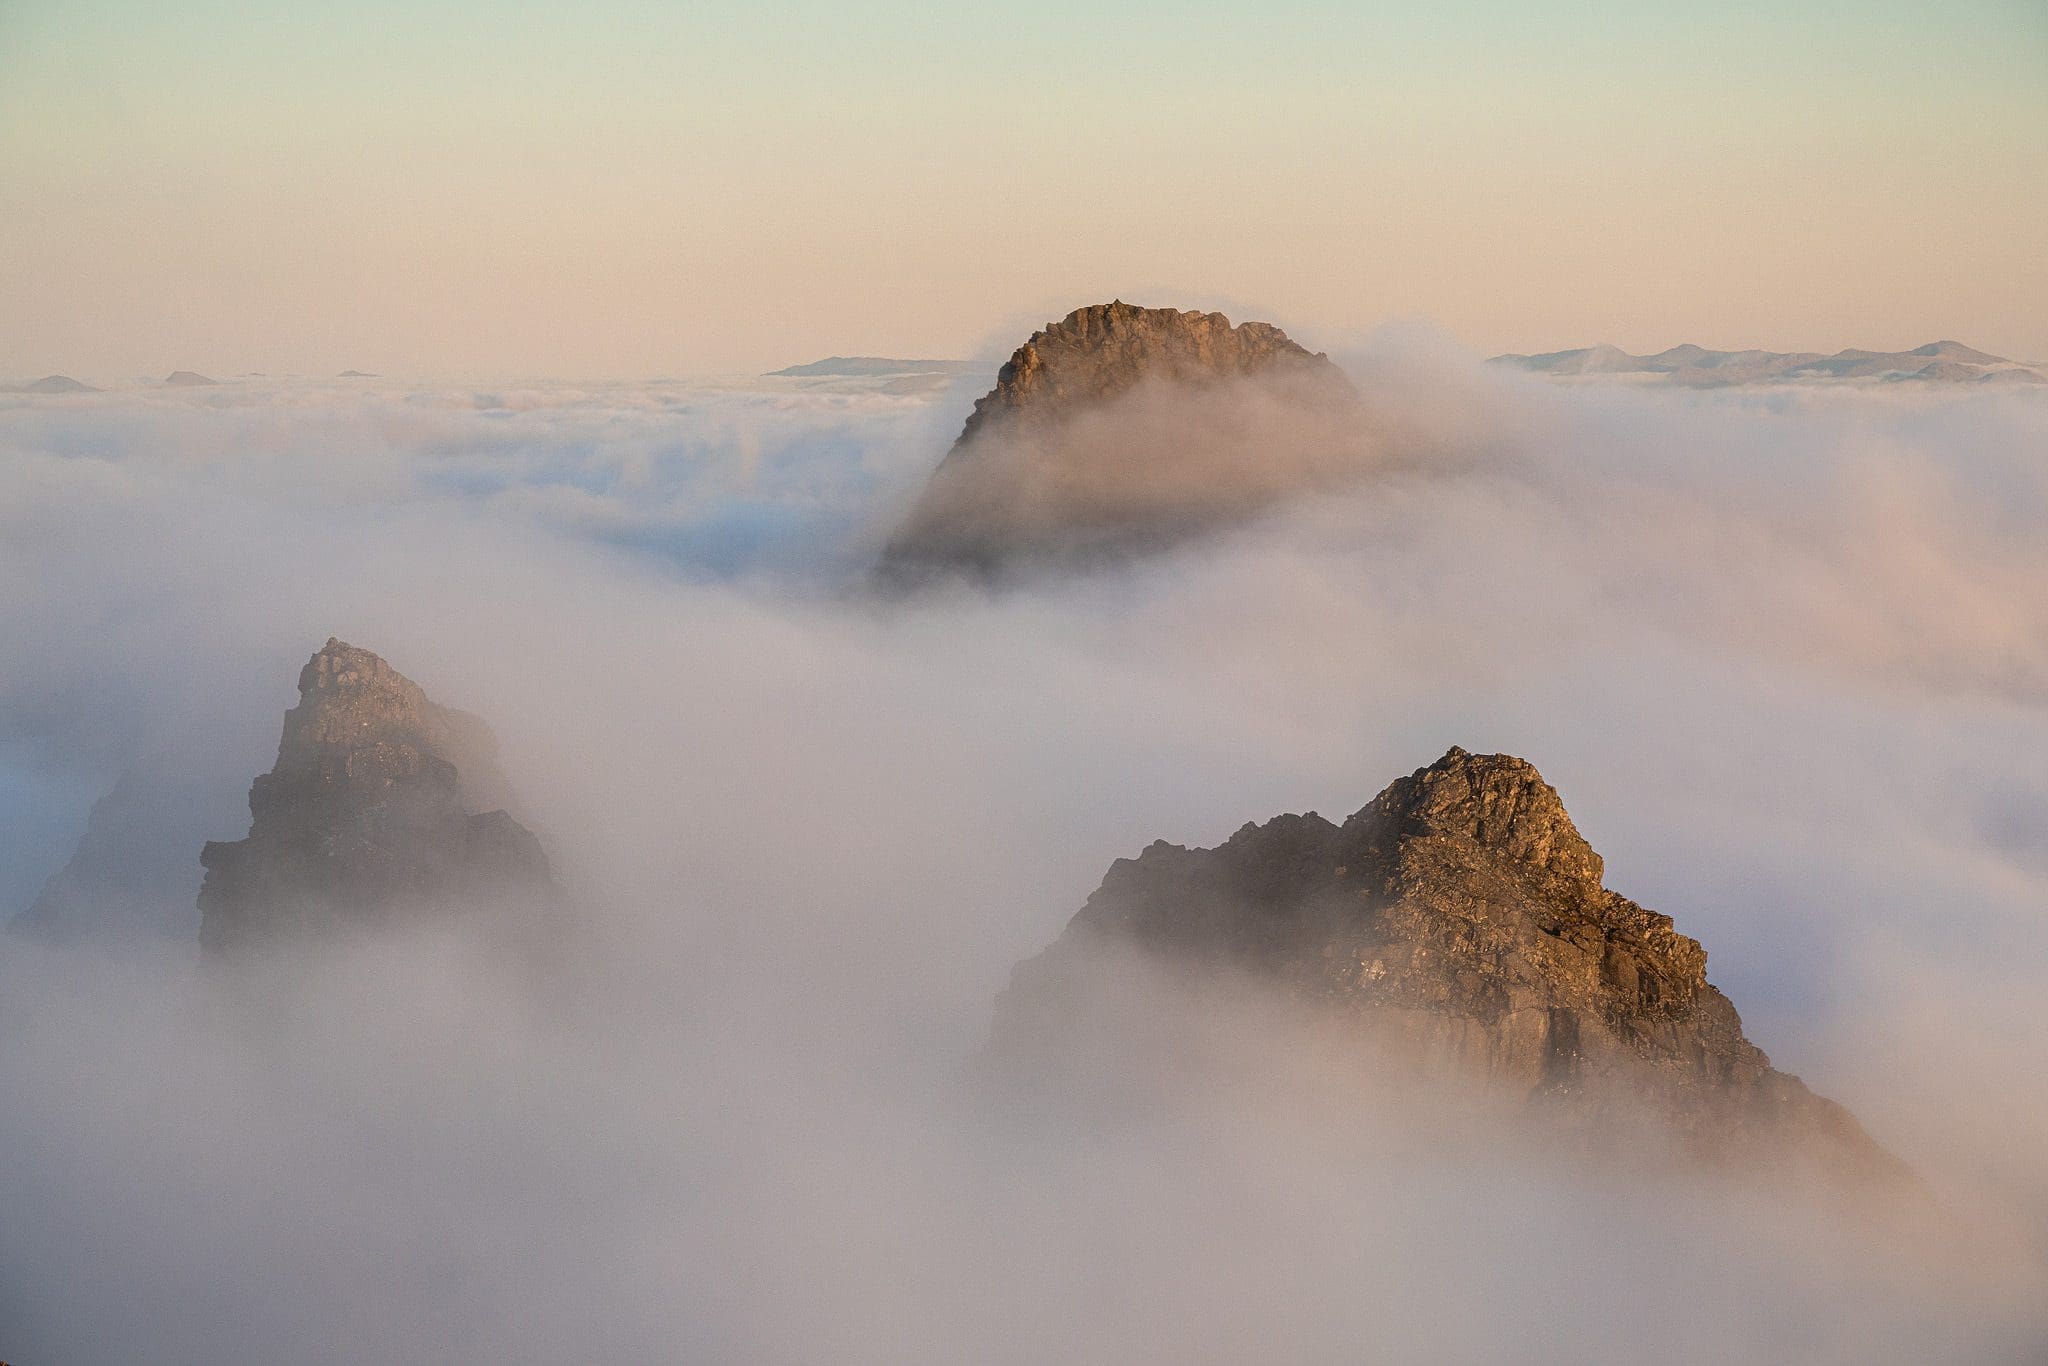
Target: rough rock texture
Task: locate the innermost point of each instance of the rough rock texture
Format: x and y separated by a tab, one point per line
1104	350
1121	427
1461	916
370	817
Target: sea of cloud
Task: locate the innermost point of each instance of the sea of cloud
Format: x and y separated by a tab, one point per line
1784	653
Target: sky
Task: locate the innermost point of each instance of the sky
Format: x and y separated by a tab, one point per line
632	190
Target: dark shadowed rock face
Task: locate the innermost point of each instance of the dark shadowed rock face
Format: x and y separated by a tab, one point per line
1459	916
370	816
1121	428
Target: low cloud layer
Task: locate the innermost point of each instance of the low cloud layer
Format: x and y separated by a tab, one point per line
1151	467
1781	652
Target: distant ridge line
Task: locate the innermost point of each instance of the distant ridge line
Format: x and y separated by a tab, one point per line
861	367
1942	362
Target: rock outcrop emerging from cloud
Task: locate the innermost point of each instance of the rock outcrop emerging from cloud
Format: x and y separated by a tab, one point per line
1121	428
1458	920
383	810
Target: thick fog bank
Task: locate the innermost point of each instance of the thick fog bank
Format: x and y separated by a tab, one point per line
1784	654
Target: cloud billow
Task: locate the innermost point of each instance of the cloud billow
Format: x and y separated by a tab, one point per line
1783	652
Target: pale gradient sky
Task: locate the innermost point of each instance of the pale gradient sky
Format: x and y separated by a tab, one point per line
449	187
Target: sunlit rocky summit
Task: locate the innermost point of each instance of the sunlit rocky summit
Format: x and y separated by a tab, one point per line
1941	362
1121	428
1458	921
1097	353
384	809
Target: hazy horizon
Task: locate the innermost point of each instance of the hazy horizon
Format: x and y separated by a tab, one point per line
640	189
979	363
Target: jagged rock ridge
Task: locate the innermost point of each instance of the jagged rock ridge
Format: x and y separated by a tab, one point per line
381	809
1121	428
1460	915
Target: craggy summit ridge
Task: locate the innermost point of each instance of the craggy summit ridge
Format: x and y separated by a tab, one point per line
1461	915
1098	352
367	817
1120	429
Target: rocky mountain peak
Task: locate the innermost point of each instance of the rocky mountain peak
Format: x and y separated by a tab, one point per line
350	698
1103	350
340	666
382	806
1459	918
1121	430
1494	802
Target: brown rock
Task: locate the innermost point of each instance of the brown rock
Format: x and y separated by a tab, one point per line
1120	428
1460	915
370	816
1099	352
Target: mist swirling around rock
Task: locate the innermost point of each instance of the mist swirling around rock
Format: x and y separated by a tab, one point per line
383	810
1121	429
1458	924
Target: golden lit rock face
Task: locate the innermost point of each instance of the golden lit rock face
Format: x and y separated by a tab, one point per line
1121	429
1460	917
369	816
1099	352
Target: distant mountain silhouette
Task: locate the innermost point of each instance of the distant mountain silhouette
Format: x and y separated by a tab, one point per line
132	872
1955	350
1942	362
186	379
878	367
56	384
